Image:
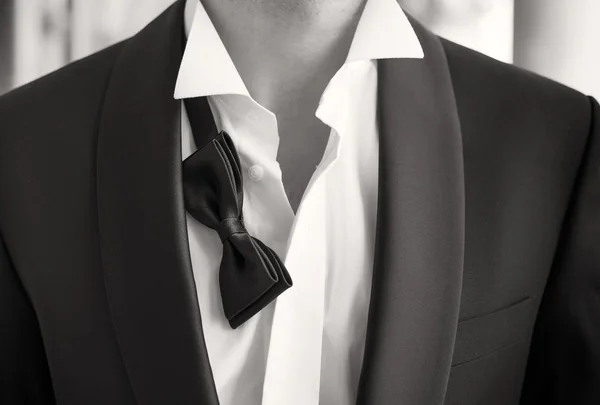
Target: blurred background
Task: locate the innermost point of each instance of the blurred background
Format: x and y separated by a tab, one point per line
556	38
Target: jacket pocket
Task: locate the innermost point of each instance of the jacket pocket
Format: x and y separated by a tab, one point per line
486	334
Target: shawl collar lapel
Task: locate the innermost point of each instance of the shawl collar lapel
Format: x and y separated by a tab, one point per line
149	281
420	233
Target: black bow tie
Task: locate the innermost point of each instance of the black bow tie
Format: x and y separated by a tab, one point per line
251	274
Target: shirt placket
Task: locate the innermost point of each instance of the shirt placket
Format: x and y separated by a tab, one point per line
294	357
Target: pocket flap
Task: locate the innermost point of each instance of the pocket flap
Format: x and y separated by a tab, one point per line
482	335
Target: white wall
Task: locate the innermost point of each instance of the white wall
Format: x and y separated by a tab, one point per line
41	38
483	25
560	39
99	23
49	34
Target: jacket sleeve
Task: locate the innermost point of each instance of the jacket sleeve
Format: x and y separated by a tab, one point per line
24	374
564	360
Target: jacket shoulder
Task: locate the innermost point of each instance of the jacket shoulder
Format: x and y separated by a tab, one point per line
506	94
74	90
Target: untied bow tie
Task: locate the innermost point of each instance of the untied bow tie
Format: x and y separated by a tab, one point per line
251	275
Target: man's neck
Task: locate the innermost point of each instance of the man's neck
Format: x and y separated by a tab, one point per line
286	51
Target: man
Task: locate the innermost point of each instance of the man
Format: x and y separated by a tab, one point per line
427	218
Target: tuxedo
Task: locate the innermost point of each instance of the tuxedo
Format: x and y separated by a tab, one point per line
485	281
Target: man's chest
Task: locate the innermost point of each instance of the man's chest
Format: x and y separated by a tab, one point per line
301	147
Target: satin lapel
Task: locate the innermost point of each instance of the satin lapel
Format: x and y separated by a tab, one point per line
420	233
148	276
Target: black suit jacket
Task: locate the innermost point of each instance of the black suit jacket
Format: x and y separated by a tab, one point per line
486	283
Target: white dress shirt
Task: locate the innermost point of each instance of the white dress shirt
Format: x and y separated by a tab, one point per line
306	347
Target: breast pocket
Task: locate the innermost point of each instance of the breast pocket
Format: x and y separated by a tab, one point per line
483	335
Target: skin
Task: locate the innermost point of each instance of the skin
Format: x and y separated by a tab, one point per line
286	52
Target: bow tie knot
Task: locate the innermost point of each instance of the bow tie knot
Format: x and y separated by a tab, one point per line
230	226
251	275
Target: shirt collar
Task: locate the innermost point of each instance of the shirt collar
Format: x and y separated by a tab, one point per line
383	31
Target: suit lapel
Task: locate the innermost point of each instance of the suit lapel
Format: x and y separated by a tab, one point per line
149	282
419	249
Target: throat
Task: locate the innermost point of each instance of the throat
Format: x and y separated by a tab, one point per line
301	148
286	51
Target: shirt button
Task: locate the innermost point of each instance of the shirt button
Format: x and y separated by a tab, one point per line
256	173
